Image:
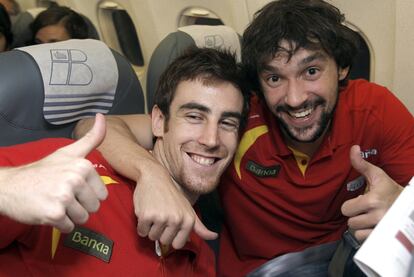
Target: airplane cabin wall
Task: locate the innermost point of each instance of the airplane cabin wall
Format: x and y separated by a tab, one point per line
384	24
27	4
404	54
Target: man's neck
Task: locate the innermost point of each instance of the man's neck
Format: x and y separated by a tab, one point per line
308	148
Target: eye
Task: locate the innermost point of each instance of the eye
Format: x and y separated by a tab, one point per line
230	125
193	117
312	73
272	80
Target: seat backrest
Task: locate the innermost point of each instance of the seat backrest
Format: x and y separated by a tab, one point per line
22	33
175	43
46	88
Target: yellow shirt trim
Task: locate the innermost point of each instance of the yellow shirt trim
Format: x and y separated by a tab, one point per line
246	142
300	157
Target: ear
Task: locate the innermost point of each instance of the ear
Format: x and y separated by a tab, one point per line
343	72
157	122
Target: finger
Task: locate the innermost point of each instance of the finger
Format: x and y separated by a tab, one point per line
363	221
143	227
95	182
87	199
182	235
362	235
203	231
168	235
90	141
354	206
76	213
367	169
181	238
156	231
65	225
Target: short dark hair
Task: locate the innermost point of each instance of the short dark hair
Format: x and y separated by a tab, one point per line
5	26
75	25
308	24
207	65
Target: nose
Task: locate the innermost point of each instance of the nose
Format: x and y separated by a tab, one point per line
209	135
295	94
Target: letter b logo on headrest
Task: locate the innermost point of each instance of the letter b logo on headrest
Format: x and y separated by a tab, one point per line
69	68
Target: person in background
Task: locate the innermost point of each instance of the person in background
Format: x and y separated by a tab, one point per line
12	7
298	180
6	36
196	138
58	23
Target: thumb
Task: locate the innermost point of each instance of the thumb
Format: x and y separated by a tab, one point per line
357	162
202	230
90	140
362	166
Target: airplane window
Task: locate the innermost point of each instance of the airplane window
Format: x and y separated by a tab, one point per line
361	67
199	16
45	3
127	37
118	31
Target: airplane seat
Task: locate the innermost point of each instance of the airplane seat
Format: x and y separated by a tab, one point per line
45	89
22	33
175	43
219	36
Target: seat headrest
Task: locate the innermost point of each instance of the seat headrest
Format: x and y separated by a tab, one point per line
75	73
46	88
220	37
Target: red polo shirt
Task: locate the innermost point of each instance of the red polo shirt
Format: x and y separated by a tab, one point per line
272	208
107	245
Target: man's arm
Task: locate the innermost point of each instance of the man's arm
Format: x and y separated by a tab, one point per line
59	190
163	212
365	211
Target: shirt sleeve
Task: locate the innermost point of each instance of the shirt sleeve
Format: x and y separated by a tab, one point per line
397	157
11	231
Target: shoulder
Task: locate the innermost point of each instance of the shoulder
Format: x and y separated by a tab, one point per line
30	151
367	97
259	113
363	94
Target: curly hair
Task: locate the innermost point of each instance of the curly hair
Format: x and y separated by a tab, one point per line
308	24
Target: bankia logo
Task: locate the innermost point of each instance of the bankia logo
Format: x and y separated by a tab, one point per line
262	171
90	243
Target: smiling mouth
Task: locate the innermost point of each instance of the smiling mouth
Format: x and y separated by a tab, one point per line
202	160
301	114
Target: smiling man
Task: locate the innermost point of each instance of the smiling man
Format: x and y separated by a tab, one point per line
196	138
298	181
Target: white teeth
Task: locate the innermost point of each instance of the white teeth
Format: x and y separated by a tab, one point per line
302	113
202	160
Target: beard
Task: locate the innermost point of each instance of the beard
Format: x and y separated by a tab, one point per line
319	127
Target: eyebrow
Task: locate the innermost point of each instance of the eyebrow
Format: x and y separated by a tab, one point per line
303	62
236	115
202	108
194	106
311	58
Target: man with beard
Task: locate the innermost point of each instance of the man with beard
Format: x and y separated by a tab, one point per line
196	138
304	171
